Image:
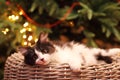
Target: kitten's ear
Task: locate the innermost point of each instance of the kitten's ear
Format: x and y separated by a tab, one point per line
43	37
22	50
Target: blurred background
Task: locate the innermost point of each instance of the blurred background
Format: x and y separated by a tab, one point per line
95	23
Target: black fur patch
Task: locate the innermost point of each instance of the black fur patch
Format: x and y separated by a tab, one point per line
107	59
30	56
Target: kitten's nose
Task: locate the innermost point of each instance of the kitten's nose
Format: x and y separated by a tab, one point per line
42	59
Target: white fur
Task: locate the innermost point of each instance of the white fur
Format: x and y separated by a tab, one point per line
74	54
41	56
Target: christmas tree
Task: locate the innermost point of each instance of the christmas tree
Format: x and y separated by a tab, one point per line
93	22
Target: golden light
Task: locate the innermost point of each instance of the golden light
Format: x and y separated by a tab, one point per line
36	40
22	30
13	17
71	23
5	31
30	38
20	13
29	29
25	43
29	44
17	17
24	36
25	24
9	17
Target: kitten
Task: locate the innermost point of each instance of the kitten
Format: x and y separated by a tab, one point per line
74	54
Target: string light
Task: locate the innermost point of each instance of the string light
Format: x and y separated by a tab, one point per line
26	31
13	17
25	43
71	23
36	39
25	24
24	36
20	13
30	38
5	31
30	29
23	30
29	44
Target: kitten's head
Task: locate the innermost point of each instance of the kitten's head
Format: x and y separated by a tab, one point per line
29	54
43	48
40	53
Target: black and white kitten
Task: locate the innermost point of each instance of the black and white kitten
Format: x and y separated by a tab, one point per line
74	54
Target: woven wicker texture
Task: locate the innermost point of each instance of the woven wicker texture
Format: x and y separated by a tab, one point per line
15	69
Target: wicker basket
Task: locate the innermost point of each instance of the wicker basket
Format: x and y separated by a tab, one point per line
15	69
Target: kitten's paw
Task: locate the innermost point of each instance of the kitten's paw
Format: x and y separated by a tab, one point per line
75	68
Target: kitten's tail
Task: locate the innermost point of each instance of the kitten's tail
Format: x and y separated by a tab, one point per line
105	54
106	59
110	52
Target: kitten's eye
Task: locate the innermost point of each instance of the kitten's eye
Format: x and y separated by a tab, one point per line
35	57
44	50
